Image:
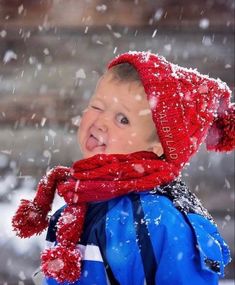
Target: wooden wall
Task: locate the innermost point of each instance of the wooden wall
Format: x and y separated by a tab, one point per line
53	52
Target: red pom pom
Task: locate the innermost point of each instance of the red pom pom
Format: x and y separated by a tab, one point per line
62	263
221	135
29	219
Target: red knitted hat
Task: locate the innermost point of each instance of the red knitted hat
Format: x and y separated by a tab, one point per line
187	107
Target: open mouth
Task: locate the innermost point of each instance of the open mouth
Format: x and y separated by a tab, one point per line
92	143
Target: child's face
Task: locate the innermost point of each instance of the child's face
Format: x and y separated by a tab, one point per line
117	120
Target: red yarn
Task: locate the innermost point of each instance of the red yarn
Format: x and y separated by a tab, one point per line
221	135
29	219
104	177
62	263
184	105
70	224
31	216
96	178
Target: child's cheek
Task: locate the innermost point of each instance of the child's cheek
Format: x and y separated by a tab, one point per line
85	123
81	129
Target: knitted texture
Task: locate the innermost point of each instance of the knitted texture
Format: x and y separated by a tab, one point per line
184	105
97	178
186	108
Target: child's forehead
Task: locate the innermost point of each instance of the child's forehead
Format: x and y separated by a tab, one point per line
109	85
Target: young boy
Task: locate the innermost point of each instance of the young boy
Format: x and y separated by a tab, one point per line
128	218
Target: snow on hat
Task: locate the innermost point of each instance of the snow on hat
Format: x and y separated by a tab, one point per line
187	107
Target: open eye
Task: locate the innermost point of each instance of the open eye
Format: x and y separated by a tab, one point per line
122	119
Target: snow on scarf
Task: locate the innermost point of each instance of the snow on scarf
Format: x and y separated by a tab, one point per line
98	178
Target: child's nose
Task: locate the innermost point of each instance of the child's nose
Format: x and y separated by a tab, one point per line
101	123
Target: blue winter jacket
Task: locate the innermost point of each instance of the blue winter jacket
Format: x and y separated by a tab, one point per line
159	237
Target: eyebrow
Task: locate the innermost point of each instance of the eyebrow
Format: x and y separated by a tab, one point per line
125	107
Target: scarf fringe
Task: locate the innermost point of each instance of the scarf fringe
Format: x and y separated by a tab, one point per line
98	178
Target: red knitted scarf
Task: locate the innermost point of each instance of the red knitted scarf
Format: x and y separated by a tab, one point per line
97	178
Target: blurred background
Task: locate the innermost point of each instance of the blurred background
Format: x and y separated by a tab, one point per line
53	52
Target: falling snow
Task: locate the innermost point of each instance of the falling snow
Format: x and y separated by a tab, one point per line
139	168
76	120
227	183
101	8
158	14
204	23
144	112
80	74
117	35
3	33
154	33
9	55
168	47
20	9
16	183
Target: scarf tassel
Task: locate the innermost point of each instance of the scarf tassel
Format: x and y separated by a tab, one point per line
31	216
221	135
29	219
61	263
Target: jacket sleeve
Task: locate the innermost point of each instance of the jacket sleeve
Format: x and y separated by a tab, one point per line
214	253
192	249
187	246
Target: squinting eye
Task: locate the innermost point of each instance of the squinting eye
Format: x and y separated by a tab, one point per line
96	108
122	119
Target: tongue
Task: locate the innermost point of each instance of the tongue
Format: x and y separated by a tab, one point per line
92	143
